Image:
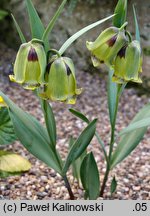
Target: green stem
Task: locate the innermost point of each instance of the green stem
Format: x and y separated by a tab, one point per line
67	184
111	142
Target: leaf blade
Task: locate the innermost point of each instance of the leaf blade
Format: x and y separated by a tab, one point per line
121	13
128	142
32	135
80	145
53	21
79	33
10	162
90	177
36	25
21	35
137	31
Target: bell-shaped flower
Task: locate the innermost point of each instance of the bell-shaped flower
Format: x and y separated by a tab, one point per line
105	48
128	63
61	81
30	65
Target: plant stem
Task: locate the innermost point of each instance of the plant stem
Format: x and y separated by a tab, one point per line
67	184
104	181
111	144
108	162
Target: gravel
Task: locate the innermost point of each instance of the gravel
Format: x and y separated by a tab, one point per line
41	182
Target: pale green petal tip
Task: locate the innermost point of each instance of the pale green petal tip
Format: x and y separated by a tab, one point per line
120	80
95	61
89	45
13	79
79	91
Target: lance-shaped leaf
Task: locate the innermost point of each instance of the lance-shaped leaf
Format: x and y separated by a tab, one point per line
114	92
112	97
37	28
80	33
79	115
121	13
77	163
137	32
7	134
113	185
90	177
21	35
80	145
32	135
53	21
134	126
128	142
13	163
85	119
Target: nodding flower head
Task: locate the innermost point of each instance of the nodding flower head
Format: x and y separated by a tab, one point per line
128	63
30	65
105	48
61	81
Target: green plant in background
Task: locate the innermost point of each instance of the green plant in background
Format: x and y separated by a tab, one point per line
3	14
43	69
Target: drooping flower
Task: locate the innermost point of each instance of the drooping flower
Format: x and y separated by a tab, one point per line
128	63
30	65
61	81
105	48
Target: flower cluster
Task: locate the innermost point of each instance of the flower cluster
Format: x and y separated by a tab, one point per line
114	48
57	76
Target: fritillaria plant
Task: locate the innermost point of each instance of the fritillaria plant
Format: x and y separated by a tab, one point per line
51	76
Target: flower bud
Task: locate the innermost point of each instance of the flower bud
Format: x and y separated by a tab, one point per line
105	48
128	64
30	64
61	81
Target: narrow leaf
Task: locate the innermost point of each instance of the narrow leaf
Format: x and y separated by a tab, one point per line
80	145
77	163
37	28
90	177
80	33
7	133
138	124
79	115
112	97
129	141
21	35
113	185
10	162
53	21
85	119
32	135
121	13
137	32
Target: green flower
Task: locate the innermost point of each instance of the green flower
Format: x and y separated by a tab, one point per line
61	80
128	63
30	64
105	48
